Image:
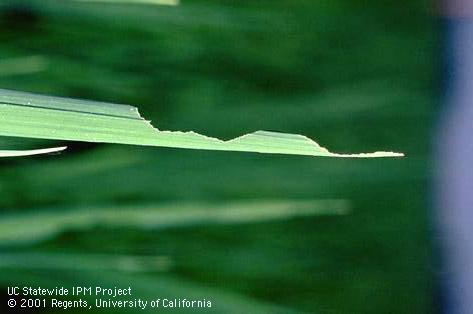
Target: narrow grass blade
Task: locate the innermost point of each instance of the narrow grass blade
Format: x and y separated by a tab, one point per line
19	153
35	116
84	262
148	2
34	226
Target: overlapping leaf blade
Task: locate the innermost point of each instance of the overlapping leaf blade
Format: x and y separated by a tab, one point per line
20	153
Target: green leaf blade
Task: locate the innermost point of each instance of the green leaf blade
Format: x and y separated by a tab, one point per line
21	153
37	116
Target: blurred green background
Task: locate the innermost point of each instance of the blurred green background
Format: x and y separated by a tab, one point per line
356	76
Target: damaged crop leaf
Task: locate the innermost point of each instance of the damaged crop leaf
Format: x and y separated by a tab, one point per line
45	117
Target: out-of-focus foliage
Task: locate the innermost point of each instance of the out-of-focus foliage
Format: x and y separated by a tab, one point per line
355	76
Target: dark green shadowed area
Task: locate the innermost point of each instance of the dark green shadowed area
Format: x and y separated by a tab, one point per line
253	233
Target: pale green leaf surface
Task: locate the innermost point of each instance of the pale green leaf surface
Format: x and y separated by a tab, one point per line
14	228
36	116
